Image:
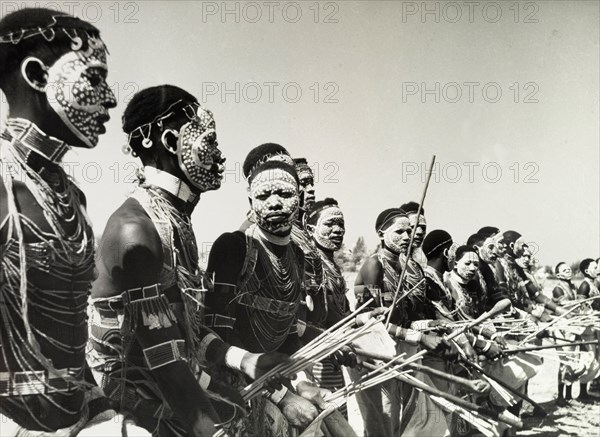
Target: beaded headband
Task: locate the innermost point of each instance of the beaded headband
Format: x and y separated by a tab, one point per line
66	24
190	111
316	211
265	158
391	216
437	246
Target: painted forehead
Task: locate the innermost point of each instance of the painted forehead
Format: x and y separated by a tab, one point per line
94	56
400	222
413	217
273	178
303	175
282	157
489	241
469	256
331	212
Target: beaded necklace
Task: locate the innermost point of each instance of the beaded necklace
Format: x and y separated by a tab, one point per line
281	282
66	253
334	282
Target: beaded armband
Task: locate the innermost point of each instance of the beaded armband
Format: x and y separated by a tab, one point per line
164	353
412	337
420	325
151	304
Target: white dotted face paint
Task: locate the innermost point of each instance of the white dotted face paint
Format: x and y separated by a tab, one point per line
330	229
397	236
77	91
198	151
274	194
467	266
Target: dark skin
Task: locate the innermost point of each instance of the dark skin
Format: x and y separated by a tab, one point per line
30	104
371	275
440	264
131	256
226	260
25	102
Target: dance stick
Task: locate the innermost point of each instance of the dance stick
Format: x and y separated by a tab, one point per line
505	386
548	346
581	301
454	399
557	319
410	245
500	306
259	382
470	385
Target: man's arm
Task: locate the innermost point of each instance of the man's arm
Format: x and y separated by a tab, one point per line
225	263
584	289
133	254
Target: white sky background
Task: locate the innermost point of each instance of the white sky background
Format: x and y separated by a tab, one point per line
367	142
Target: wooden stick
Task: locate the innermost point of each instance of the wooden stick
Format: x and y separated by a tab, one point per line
557	319
548	346
467	383
454	399
506	386
410	245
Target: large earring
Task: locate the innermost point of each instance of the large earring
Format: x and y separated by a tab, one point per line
35	85
163	139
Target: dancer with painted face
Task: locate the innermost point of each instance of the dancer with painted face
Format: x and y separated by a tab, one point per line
315	308
486	248
563	293
388	409
470	297
325	223
149	347
53	71
258	278
412	208
589	268
257	156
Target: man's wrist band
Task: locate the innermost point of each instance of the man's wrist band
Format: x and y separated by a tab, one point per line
413	337
234	357
278	395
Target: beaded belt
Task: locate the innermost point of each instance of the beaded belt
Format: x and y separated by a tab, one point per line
266	304
37	382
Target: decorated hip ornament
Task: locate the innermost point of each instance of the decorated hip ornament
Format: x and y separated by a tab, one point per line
329	230
78	92
198	151
274	195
